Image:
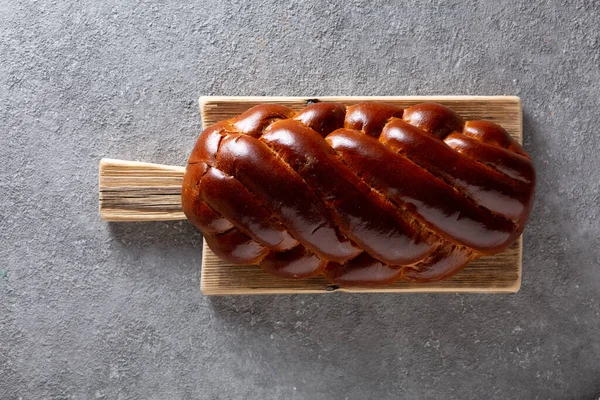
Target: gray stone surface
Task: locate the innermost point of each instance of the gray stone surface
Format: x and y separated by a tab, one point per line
93	310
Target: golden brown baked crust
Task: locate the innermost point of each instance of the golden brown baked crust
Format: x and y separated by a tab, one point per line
363	195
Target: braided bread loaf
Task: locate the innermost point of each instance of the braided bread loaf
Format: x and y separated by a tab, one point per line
363	195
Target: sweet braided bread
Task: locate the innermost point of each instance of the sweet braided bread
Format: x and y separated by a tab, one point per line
364	195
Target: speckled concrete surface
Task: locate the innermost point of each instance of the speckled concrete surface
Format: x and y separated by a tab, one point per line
92	310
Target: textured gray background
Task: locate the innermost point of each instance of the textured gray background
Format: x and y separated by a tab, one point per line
93	310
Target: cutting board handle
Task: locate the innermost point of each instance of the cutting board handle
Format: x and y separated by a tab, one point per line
139	191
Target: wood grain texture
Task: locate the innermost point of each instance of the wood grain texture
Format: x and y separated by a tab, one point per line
497	273
502	110
138	191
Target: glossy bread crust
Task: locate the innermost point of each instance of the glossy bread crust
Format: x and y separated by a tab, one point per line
363	195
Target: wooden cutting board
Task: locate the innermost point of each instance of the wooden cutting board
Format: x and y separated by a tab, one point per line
138	191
